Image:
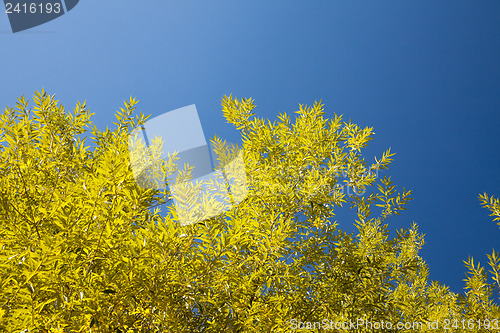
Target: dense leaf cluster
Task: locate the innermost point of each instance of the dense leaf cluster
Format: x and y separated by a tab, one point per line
84	248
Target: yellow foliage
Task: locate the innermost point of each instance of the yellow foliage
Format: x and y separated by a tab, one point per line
84	248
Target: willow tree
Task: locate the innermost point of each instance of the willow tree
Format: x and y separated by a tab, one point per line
85	247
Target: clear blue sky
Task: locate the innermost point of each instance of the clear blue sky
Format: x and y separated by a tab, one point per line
424	74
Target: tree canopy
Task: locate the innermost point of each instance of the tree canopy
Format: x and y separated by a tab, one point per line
85	248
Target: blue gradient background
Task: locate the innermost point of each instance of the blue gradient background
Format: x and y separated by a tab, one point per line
424	74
